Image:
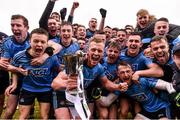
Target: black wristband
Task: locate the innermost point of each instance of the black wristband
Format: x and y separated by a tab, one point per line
49	51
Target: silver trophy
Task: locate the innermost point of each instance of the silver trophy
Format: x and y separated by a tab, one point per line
72	63
74	66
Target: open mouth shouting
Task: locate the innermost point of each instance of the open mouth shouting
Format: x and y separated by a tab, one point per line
162	33
82	34
111	58
94	26
95	59
143	23
161	56
66	40
18	35
127	79
53	32
38	51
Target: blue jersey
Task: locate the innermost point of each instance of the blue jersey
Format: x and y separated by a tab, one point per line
11	47
67	50
39	78
175	41
110	69
146	42
2	39
167	68
89	33
142	92
139	62
90	74
56	40
171	40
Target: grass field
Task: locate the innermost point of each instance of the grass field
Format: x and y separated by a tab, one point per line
36	112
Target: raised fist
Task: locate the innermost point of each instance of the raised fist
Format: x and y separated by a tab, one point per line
103	12
63	13
75	5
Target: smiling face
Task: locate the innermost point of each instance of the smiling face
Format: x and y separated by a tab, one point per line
39	43
81	32
95	53
160	50
121	35
134	44
161	28
19	30
143	20
66	34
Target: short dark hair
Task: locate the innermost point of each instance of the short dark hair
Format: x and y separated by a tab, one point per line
66	23
114	44
123	30
79	25
108	27
124	63
158	38
18	16
136	33
99	32
129	26
39	31
115	28
163	19
75	24
56	13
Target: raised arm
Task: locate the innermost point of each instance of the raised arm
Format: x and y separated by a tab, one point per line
47	12
103	14
71	15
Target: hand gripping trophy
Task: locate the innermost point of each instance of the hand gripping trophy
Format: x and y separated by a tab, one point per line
74	66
